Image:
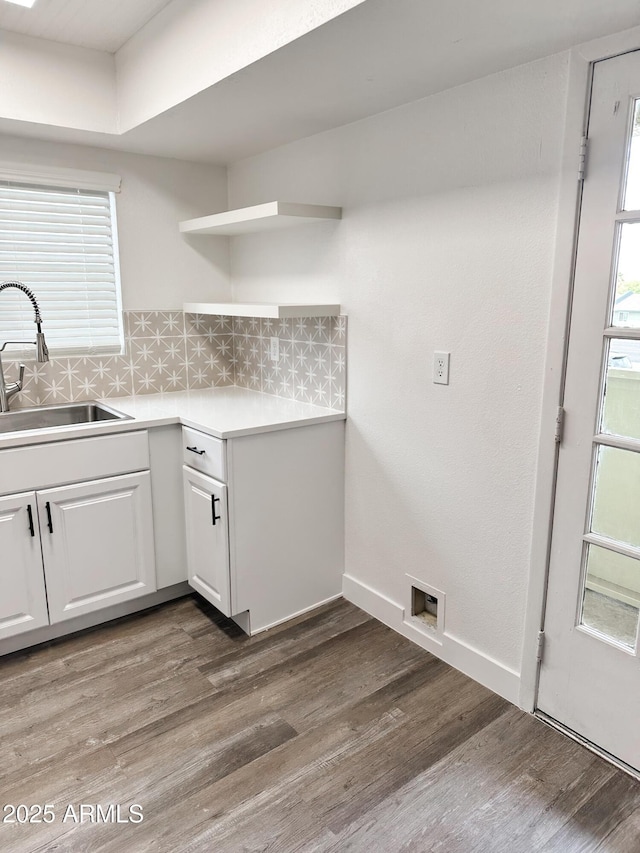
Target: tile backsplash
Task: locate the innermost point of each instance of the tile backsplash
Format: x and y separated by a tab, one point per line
172	351
312	358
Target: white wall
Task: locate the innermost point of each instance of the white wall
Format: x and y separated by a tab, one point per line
160	267
192	44
446	244
59	84
187	47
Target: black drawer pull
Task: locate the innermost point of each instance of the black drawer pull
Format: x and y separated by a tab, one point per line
30	514
47	506
195	450
214	517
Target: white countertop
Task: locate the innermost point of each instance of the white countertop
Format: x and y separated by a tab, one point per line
224	412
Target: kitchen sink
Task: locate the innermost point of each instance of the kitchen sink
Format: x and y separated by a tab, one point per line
45	417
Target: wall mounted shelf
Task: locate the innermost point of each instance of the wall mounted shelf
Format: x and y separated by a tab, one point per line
259	217
277	311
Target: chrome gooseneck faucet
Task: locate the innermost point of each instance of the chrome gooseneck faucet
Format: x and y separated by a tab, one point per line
7	390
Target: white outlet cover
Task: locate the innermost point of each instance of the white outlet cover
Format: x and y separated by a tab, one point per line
441	362
274	349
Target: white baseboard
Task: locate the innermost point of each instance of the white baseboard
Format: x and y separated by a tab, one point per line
474	663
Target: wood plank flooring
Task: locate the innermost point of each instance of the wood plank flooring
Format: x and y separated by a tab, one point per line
329	734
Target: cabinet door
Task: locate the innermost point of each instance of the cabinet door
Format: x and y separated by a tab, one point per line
23	601
97	544
205	503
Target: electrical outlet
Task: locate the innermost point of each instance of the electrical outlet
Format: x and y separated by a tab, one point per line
274	349
441	368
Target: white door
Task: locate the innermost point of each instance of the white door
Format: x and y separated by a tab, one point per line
23	601
97	544
205	504
590	672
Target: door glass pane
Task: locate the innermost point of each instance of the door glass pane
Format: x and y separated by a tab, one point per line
616	506
632	190
621	410
612	595
626	308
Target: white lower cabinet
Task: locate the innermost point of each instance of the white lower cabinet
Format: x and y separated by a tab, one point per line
263	518
205	501
70	548
23	601
97	544
264	521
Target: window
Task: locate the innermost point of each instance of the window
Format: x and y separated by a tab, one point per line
61	242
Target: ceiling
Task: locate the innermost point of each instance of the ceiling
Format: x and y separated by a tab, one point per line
377	56
98	24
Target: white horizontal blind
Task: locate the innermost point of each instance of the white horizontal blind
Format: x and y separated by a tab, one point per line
61	243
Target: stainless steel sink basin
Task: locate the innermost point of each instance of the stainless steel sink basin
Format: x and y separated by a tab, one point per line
45	417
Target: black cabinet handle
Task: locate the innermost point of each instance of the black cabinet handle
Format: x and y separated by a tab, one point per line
195	450
30	514
214	517
47	506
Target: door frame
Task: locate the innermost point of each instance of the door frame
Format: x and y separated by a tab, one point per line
580	71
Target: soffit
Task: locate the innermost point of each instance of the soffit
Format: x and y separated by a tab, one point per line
97	24
377	56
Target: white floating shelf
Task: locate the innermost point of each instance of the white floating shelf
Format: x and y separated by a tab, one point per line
276	311
260	217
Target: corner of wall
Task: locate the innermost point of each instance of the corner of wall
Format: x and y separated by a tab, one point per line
472	662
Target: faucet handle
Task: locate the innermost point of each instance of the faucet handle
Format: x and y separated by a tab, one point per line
21	377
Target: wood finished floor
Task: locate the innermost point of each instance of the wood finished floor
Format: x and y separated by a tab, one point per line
329	734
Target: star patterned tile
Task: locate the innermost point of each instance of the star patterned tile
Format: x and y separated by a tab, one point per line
171	351
312	363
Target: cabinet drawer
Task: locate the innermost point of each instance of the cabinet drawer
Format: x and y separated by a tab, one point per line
204	453
42	465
